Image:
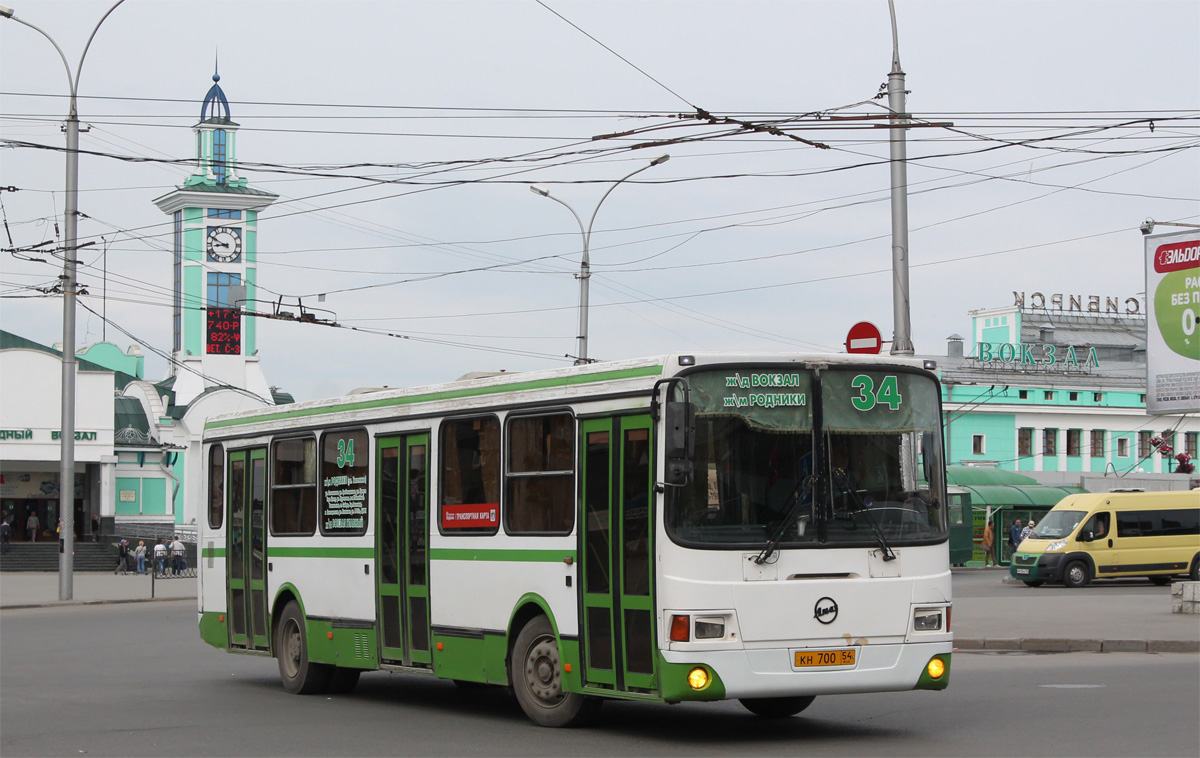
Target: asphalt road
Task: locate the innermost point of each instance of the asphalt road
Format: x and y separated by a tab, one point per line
135	680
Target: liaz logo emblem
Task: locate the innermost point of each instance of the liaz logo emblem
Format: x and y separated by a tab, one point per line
825	610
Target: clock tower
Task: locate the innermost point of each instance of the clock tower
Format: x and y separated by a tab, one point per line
215	245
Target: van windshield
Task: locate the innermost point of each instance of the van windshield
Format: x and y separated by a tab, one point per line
1057	524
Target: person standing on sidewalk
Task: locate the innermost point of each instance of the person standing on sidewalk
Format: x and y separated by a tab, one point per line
32	525
95	528
5	535
160	558
176	556
989	545
1014	535
122	557
140	554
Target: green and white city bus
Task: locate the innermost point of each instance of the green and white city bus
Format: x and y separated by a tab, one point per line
681	528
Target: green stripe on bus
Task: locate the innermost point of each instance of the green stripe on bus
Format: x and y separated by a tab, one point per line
213	552
508	556
604	376
320	552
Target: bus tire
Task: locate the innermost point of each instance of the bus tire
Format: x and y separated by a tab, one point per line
535	671
299	675
1076	574
777	707
342	681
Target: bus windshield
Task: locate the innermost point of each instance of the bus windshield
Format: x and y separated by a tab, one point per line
810	458
1057	524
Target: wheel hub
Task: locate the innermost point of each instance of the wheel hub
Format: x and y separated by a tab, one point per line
542	672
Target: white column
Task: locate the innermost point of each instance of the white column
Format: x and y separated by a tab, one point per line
108	484
1039	444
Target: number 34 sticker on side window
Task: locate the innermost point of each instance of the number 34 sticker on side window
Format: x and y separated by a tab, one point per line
868	397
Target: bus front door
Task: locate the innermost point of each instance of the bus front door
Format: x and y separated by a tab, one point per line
247	549
618	613
401	559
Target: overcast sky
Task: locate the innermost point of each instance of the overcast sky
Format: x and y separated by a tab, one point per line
427	122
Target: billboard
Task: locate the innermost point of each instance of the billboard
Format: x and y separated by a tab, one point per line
1172	332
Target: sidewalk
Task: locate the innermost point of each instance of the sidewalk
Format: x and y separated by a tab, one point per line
34	589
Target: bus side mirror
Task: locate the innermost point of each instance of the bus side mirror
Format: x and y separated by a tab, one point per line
679	421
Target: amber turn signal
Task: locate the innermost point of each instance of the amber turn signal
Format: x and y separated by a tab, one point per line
680	628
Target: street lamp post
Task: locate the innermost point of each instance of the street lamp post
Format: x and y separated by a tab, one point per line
902	334
585	270
66	475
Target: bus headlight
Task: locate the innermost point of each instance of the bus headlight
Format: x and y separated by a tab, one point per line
710	628
1054	547
927	620
698	678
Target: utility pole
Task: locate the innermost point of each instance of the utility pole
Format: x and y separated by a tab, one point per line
902	325
66	472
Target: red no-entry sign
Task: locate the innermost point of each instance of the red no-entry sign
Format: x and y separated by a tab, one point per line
864	337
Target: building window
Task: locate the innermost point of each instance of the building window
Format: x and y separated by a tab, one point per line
977	446
1024	442
1097	443
1122	447
1097	397
1142	399
219	156
177	318
1144	448
1050	442
1074	442
219	285
294	486
540	478
1048	395
1023	394
223	213
1074	397
1190	442
470	464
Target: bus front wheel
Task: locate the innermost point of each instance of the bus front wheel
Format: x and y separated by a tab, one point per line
300	676
535	671
1076	574
777	707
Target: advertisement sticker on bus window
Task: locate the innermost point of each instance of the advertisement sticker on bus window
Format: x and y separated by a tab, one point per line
471	516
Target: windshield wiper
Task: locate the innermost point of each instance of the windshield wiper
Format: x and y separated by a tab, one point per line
863	508
803	488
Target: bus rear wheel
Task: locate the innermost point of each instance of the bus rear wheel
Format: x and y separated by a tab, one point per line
777	707
300	676
535	671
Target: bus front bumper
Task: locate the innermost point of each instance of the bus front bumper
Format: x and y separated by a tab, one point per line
771	672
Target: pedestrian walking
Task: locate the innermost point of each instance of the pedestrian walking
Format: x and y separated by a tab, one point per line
5	535
95	528
122	557
176	556
140	555
989	545
160	558
32	525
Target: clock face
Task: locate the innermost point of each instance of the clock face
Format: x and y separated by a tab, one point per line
224	244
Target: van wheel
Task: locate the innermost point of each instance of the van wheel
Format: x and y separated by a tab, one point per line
777	707
1159	580
535	671
1076	574
300	676
1032	582
1194	574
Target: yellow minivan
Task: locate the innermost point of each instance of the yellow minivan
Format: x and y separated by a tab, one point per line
1113	534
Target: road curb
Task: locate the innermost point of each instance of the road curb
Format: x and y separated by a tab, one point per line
1062	645
74	603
